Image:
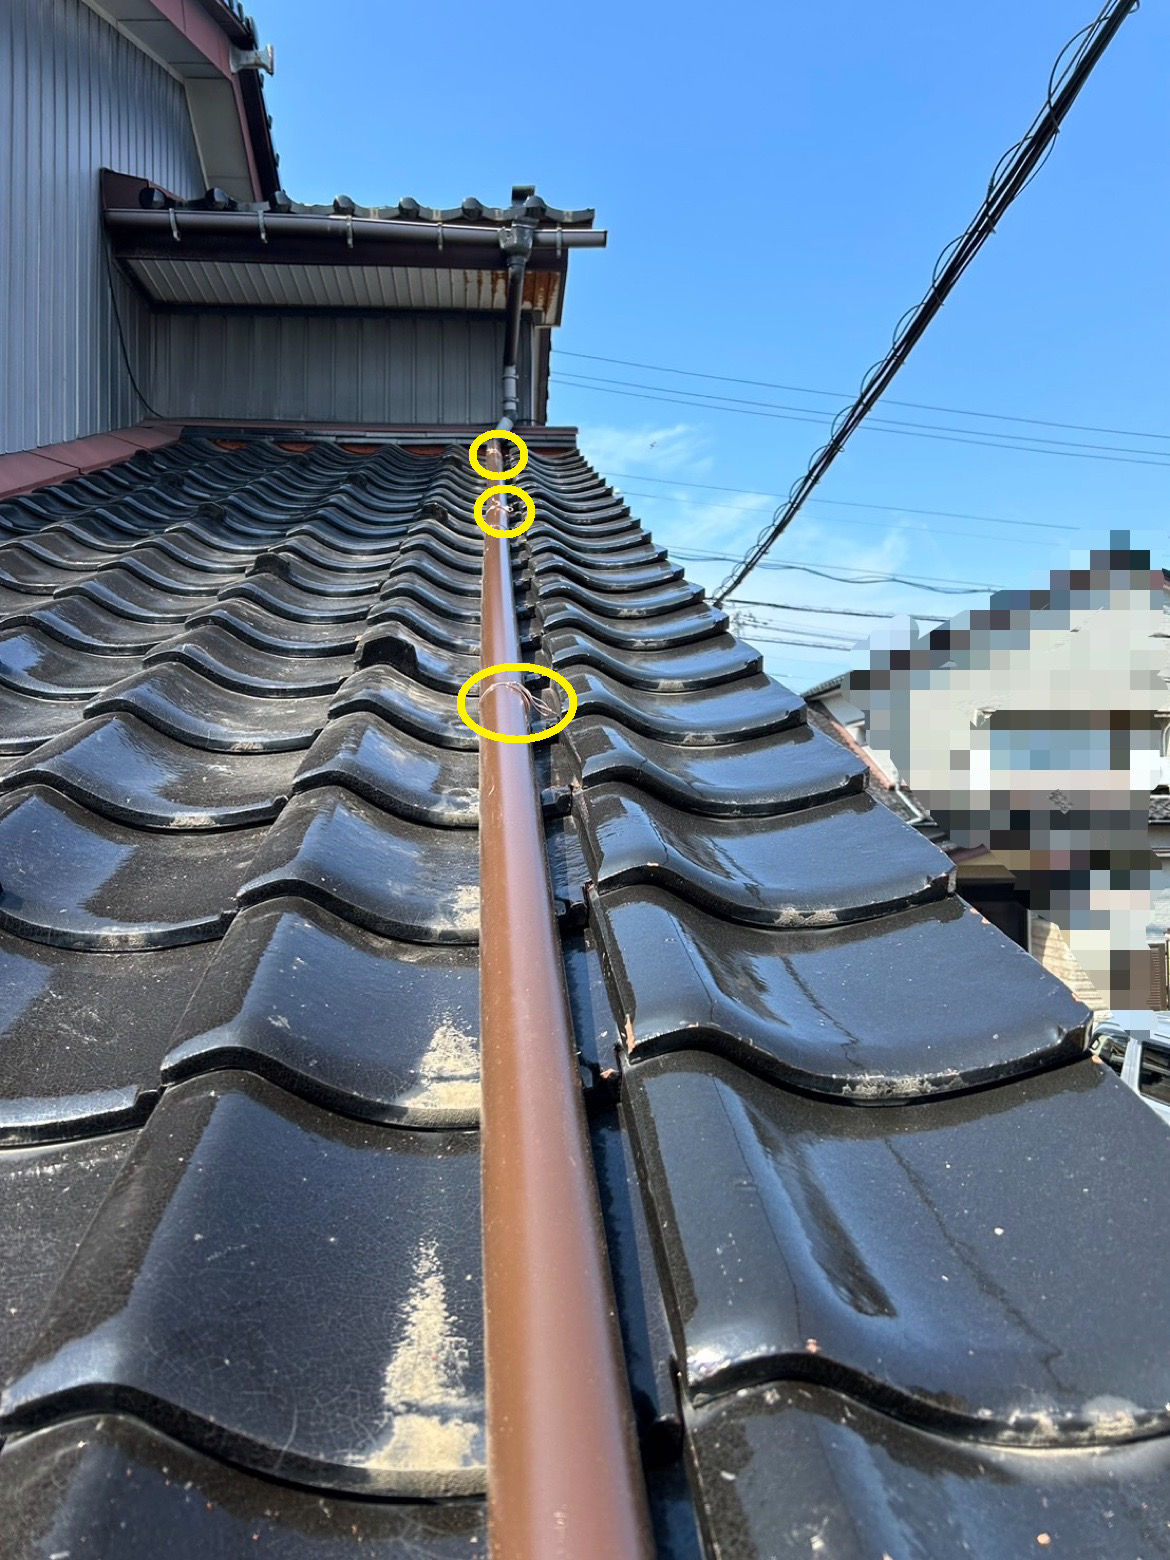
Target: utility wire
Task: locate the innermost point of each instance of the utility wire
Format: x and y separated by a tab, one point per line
918	406
1011	175
930	530
788	606
846	503
709	401
946	587
881	425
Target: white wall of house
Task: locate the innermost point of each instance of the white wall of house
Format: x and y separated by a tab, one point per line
1011	712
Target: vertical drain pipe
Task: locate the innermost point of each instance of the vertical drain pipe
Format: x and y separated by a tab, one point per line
564	1474
516	242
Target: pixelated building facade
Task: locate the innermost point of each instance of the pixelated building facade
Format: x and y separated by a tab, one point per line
1035	732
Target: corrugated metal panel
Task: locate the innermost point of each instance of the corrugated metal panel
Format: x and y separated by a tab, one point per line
442	369
242	284
74	95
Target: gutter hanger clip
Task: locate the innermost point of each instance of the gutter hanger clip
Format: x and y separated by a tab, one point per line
253	59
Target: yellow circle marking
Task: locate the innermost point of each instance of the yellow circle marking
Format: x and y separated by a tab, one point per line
498	433
516	666
504	487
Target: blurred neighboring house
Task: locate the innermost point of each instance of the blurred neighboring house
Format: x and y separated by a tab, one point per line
1034	736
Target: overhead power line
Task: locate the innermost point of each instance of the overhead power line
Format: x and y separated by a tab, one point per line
1011	175
946	587
1070	450
918	406
788	606
930	530
847	503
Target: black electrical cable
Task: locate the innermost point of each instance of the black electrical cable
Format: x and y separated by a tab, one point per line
1012	174
134	385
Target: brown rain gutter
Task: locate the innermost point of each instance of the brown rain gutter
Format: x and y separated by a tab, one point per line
564	1477
171	224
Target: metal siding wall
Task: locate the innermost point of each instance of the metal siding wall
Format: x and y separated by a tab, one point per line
398	369
75	96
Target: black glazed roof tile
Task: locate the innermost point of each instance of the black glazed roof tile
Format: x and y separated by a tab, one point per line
88	625
361	1024
127	596
689	626
208	1291
604	577
644	603
255	625
393	876
172	575
445	554
425	623
889	1252
410	583
396	645
289	601
33	662
790	768
183	703
599	558
795	1469
595	1023
26	720
48	1195
74	879
688	669
110	1486
83	1034
646	1337
395	697
226	659
453	582
311	578
395	771
23	572
817	867
929	1000
118	766
704	717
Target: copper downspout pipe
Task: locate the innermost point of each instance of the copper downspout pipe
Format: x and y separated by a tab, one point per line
564	1476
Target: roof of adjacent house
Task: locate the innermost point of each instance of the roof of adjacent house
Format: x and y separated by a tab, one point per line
875	1283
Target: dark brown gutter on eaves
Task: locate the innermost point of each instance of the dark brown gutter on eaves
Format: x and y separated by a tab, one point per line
564	1478
169	227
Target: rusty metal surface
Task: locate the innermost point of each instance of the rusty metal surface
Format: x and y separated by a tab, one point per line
564	1478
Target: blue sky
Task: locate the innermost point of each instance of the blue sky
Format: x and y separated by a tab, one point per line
777	181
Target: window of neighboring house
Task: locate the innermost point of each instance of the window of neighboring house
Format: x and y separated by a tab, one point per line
1040	747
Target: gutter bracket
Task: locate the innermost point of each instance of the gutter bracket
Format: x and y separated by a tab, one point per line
253	59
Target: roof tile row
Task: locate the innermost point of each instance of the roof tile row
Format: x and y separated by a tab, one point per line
870	1143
